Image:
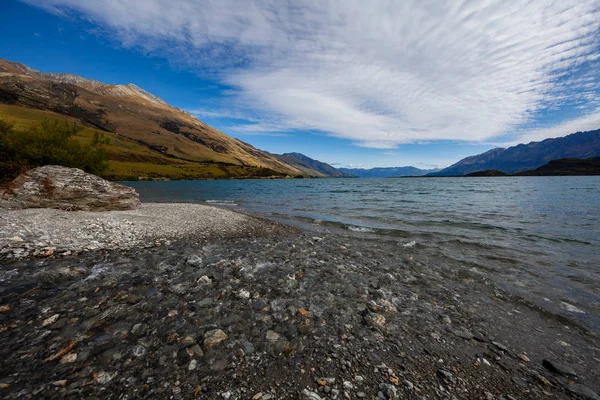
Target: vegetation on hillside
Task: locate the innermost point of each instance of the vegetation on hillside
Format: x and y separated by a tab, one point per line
130	160
51	142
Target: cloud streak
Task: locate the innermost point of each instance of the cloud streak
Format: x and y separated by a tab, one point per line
379	74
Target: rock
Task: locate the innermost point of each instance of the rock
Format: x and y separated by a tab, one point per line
50	320
273	336
307	394
248	347
204	280
558	368
69	189
500	346
583	391
192	365
374	320
104	377
462	333
187	342
259	305
137	329
325	381
68	358
212	338
194	260
196	351
204	303
60	383
139	350
445	375
303	312
388	391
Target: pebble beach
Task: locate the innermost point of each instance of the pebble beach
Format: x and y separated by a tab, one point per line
188	301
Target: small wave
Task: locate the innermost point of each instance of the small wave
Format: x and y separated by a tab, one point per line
571	308
221	202
409	244
361	229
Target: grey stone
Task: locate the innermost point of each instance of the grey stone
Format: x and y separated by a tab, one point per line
204	303
583	391
212	338
307	394
68	189
194	260
445	375
557	368
273	336
139	350
462	333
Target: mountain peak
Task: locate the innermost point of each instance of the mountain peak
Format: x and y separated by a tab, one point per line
523	157
149	137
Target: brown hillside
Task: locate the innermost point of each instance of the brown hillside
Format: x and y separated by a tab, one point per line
134	114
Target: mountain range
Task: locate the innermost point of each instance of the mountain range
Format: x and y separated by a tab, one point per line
524	157
386	172
152	139
311	167
148	137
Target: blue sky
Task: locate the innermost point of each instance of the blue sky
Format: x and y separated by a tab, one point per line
421	83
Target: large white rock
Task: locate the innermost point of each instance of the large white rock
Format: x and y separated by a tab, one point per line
71	189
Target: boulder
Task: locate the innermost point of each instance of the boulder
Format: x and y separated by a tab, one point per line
69	189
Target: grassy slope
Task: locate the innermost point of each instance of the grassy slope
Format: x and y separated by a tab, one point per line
130	160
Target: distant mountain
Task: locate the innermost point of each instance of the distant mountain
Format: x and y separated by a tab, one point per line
566	166
149	137
386	172
529	156
311	167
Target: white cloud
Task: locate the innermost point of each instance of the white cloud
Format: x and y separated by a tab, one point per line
586	123
378	73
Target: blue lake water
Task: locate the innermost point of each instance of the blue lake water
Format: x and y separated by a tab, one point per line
537	237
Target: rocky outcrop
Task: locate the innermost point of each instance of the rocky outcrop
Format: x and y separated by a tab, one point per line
71	189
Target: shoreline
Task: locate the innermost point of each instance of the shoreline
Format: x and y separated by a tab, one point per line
246	308
45	232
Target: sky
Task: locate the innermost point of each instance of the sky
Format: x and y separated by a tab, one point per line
352	83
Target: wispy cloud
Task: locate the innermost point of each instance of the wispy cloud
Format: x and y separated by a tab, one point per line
581	124
381	75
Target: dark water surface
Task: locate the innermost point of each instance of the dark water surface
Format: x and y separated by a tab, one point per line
537	237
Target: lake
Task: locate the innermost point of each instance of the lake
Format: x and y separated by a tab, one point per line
536	237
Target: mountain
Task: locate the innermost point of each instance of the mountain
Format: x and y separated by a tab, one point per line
529	156
566	166
149	137
309	166
386	172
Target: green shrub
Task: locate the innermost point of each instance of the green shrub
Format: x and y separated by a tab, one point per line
49	143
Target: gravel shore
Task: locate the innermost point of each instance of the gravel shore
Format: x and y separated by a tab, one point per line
41	232
229	306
